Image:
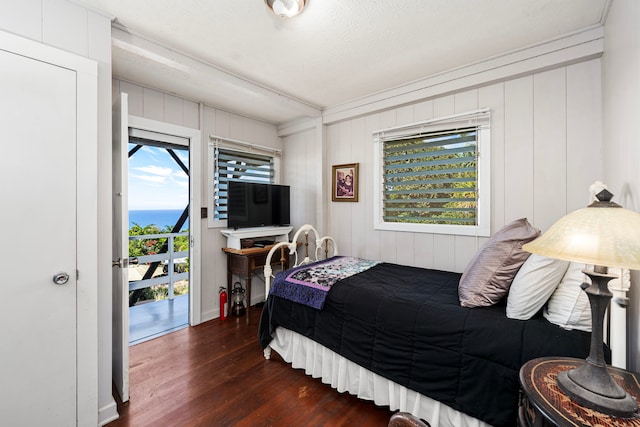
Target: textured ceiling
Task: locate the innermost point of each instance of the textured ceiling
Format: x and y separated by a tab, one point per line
336	50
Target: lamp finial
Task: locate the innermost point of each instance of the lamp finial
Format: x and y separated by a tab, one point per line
603	200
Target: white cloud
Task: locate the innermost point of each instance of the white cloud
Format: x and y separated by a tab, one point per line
179	175
155	170
183	155
154	179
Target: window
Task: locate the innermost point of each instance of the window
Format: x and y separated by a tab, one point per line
235	162
432	176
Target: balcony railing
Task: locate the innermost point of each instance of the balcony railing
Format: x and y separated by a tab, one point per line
168	259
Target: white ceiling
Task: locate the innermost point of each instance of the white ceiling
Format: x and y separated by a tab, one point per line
238	56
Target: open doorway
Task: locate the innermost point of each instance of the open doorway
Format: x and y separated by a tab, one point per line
158	201
124	127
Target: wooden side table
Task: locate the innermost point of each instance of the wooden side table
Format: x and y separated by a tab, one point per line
543	404
244	262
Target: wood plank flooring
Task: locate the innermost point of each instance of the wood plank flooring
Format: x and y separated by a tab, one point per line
214	374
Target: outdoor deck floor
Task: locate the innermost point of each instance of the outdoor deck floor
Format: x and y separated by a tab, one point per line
153	319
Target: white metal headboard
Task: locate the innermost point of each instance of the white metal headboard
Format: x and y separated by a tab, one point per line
323	245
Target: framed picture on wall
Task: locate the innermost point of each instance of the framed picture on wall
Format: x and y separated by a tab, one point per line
344	182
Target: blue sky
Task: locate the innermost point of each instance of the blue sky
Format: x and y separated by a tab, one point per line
156	181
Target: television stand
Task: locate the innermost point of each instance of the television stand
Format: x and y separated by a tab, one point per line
234	237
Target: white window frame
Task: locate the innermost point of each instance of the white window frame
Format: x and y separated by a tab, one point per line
480	118
240	146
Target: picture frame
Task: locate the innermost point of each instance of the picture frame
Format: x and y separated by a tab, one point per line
344	182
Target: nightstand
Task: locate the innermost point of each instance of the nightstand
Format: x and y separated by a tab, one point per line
543	404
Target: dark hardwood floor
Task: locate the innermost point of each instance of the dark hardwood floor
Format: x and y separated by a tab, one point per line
214	374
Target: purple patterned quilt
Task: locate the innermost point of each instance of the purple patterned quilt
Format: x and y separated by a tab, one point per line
309	284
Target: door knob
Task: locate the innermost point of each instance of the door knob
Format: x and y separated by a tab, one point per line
61	278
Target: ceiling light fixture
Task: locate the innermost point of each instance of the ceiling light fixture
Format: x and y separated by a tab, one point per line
286	8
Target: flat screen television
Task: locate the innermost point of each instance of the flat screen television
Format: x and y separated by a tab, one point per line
257	205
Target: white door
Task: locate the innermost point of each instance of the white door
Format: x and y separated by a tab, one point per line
38	374
120	247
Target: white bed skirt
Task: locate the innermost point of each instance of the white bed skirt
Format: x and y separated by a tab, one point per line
344	375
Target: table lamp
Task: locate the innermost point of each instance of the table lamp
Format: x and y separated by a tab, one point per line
605	235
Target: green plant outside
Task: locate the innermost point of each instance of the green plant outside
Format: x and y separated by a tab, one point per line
423	187
142	247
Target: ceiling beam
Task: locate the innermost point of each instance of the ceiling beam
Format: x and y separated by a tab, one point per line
171	71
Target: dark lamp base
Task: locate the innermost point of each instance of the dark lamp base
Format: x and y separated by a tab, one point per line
591	385
612	401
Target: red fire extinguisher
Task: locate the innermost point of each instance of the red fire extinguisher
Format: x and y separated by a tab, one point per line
223	303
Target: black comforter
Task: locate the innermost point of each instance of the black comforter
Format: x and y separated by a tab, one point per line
406	324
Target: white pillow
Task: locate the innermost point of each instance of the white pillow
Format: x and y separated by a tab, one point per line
534	283
569	306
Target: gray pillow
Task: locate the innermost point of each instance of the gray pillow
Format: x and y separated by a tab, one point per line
487	278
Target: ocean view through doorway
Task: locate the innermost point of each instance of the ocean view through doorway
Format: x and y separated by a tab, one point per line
158	238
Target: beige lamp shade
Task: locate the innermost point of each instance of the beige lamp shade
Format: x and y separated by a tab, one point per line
603	234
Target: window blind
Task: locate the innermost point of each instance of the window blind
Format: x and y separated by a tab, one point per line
233	165
431	178
431	174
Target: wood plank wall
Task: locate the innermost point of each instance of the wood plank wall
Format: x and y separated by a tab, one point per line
546	129
621	109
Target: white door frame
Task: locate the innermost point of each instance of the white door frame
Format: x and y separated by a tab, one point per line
195	196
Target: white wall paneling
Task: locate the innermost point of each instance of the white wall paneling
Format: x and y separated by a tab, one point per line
621	150
518	144
371	237
153	104
301	179
538	141
359	142
549	147
423	250
304	159
494	95
583	121
56	28
443	252
25	18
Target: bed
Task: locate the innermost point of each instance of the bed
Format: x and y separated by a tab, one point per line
398	335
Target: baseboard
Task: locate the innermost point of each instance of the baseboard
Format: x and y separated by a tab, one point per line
258	301
209	315
108	413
